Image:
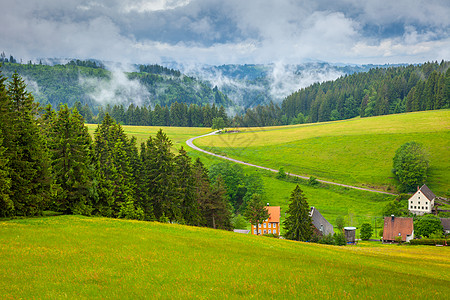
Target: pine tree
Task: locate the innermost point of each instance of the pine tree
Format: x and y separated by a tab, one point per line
298	224
218	209
6	205
71	161
29	162
116	183
256	212
185	183
158	165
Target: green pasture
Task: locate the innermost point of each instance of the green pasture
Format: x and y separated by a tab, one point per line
178	135
78	257
355	206
357	152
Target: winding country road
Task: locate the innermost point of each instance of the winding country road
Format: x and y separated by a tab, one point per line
191	144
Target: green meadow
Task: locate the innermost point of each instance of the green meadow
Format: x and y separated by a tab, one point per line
356	207
79	257
356	152
178	135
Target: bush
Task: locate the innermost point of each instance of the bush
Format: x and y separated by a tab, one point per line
313	181
339	239
281	174
327	239
426	225
366	231
239	222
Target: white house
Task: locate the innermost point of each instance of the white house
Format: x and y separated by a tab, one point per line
422	202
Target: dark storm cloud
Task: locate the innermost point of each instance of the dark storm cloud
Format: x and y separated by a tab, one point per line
233	31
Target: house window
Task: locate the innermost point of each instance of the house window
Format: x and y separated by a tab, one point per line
426	207
411	206
419	201
274	231
422	207
254	231
259	225
411	201
270	225
415	207
265	231
265	225
270	231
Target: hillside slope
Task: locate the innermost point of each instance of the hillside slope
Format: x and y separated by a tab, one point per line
357	152
80	257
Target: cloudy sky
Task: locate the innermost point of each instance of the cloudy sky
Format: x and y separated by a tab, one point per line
228	31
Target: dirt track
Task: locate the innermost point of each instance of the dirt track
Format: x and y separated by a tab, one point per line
191	144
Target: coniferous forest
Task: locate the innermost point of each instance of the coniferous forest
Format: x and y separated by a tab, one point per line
380	91
48	161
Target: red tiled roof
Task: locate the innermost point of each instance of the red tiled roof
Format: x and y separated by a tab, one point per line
394	226
274	213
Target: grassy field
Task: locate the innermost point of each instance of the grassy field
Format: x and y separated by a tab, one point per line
357	152
78	257
356	207
178	135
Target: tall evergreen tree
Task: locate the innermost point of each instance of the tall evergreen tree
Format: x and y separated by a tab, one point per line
6	205
298	224
29	162
185	183
256	211
218	208
71	154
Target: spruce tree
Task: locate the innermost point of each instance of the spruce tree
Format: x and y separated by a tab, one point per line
256	212
218	208
6	205
298	224
71	162
29	162
159	167
185	183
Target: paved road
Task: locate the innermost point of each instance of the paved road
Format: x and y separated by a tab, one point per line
191	144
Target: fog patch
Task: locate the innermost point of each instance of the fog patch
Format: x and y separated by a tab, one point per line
118	89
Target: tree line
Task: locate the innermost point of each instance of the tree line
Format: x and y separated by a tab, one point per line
177	114
380	91
49	161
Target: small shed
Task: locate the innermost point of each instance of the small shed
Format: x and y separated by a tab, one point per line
350	234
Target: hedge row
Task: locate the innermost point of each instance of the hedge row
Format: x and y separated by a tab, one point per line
431	242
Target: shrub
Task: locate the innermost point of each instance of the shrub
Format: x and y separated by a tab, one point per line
366	231
327	239
313	181
339	239
281	174
426	225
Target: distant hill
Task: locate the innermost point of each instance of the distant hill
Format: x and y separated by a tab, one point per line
91	84
379	91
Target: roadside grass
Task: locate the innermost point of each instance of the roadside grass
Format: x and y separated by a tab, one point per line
78	257
356	152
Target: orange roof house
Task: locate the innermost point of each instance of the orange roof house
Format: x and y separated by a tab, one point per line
272	224
395	227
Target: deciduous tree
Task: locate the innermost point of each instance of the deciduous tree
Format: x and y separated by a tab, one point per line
256	211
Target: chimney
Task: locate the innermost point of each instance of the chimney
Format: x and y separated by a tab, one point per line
392	218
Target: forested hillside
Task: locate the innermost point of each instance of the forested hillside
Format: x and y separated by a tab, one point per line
48	161
380	91
94	86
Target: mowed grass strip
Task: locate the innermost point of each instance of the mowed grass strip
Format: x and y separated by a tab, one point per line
79	257
357	152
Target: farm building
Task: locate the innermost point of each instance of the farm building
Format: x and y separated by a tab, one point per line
395	227
446	225
422	201
321	225
350	234
272	224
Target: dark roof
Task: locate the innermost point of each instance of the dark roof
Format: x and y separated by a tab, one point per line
427	192
445	223
320	222
393	226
